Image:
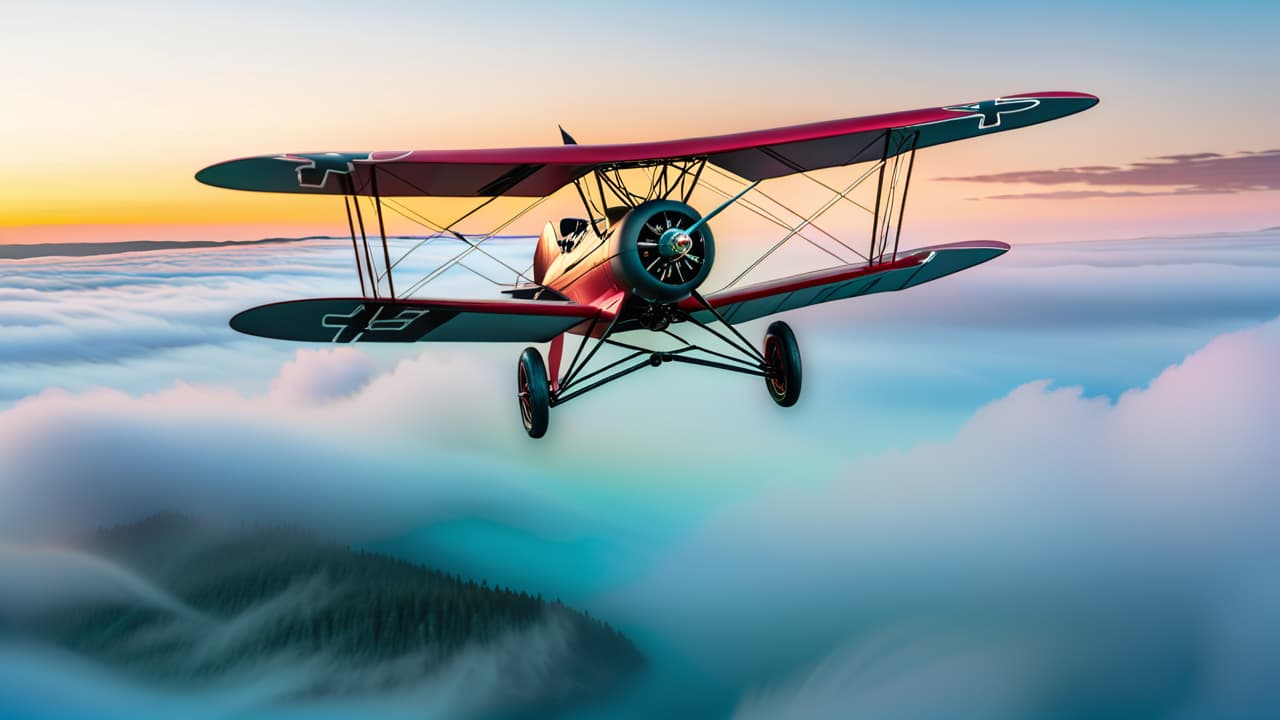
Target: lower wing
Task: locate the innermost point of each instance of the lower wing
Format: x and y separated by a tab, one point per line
910	269
344	320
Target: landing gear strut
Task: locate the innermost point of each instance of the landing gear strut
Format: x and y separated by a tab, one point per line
778	365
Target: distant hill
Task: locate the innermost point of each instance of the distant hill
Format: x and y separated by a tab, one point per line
256	597
86	249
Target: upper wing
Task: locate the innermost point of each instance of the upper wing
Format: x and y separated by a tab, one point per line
367	320
539	171
910	269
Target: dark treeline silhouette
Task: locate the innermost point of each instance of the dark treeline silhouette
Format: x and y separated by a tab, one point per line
259	593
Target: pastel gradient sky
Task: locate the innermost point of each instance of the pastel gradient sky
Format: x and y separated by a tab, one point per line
111	108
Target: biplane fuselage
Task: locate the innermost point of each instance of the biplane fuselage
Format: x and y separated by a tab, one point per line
582	273
638	259
587	268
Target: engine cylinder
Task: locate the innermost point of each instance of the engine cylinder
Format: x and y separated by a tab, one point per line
653	255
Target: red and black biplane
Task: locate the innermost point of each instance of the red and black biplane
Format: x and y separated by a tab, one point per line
638	259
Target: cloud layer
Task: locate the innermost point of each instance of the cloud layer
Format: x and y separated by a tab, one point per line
1059	549
141	320
105	457
1083	532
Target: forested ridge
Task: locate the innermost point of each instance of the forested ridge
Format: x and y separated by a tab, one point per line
257	594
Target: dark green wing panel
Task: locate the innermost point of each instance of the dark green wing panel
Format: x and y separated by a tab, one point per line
912	268
345	320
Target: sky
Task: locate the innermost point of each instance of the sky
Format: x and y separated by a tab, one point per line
1042	488
118	105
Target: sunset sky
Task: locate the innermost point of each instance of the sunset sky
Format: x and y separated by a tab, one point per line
118	104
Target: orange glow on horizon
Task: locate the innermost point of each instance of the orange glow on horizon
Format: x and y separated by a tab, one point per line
114	193
116	118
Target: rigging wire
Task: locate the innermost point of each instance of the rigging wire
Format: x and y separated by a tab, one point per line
758	210
420	219
795	230
473	246
416	217
784	206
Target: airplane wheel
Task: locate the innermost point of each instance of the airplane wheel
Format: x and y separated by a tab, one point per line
783	356
534	392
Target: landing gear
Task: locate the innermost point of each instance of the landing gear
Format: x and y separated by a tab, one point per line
783	357
533	392
778	365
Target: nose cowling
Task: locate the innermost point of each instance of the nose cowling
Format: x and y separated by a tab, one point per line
655	256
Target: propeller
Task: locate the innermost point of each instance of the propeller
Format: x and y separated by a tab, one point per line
672	251
676	241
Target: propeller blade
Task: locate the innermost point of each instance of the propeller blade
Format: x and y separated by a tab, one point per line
703	221
566	137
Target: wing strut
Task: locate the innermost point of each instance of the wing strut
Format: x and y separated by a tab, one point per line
577	380
472	246
365	265
674	176
898	159
906	187
382	229
364	238
896	145
346	201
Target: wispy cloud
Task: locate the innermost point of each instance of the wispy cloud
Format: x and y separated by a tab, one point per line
141	320
909	674
1203	173
47	578
235	456
1114	551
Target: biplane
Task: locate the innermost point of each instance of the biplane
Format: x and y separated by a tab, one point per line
630	271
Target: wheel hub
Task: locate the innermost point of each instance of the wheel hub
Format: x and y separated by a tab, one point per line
773	352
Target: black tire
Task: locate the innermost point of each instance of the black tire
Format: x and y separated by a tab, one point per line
533	392
783	356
